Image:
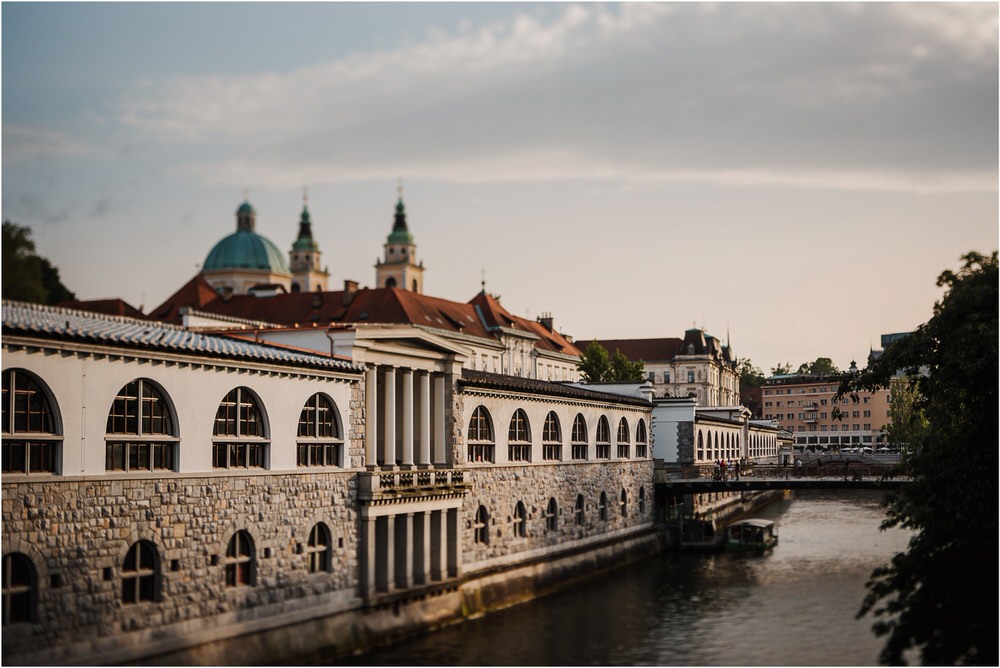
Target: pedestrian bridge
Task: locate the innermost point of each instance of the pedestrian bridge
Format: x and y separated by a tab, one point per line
680	486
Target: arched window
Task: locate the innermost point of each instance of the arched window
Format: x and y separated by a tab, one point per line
321	441
390	282
318	549
642	500
603	439
701	447
481	529
141	434
481	436
579	437
579	510
519	438
520	520
20	589
623	439
551	438
31	443
641	440
624	503
240	560
552	515
141	573
602	507
240	439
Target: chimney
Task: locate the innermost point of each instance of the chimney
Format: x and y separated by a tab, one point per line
350	288
546	320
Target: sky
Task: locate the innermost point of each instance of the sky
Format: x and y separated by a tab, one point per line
791	178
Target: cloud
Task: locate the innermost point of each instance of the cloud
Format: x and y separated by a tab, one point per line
22	143
894	96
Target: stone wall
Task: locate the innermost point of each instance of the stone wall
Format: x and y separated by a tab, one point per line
77	532
499	489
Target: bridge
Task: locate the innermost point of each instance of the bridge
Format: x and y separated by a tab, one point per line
680	487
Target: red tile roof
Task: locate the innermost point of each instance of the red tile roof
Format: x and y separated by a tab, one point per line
479	317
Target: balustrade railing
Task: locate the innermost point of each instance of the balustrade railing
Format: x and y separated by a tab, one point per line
375	482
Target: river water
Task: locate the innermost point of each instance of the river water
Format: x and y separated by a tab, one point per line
795	605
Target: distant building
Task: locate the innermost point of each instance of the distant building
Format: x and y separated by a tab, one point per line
698	365
804	404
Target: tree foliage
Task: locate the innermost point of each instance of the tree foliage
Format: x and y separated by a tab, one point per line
782	369
930	598
597	366
26	276
750	375
822	366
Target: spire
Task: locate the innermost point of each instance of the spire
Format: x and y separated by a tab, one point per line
305	239
400	233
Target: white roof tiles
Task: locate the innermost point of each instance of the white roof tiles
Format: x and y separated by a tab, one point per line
64	323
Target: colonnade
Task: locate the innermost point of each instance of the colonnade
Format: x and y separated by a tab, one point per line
409	549
405	423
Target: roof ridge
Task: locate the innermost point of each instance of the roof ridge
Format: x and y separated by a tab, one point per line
96	315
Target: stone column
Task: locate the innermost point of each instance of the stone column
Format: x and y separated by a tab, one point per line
440	445
371	417
422	548
424	457
366	559
390	553
389	426
407	418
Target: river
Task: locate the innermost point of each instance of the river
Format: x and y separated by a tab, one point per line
795	605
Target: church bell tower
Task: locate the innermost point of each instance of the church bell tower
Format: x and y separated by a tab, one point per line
399	267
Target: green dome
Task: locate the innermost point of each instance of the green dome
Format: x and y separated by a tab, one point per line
400	233
244	249
246	207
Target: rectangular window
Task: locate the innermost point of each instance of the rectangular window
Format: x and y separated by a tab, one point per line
579	451
690	376
519	453
604	451
481	452
623	450
641	450
552	452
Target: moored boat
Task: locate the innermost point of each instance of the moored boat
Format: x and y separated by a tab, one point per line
751	535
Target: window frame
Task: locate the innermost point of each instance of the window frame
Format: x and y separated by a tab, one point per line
250	451
519	437
128	441
551	438
578	437
140	579
603	442
19	595
240	565
322	444
319	549
27	450
480	449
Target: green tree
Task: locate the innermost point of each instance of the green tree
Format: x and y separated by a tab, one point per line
26	276
595	363
907	421
597	366
930	598
624	370
782	369
750	375
822	366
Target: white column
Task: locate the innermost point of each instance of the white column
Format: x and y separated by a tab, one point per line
407	418
424	457
389	427
367	558
371	417
440	446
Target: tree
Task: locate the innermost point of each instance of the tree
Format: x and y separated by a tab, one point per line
595	363
930	597
823	366
907	421
750	375
625	371
26	276
782	369
597	366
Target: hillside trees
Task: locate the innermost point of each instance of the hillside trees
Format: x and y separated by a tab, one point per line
26	276
930	598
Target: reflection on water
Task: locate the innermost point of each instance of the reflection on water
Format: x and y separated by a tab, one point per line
792	606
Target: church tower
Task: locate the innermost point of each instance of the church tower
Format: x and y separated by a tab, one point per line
307	276
399	267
